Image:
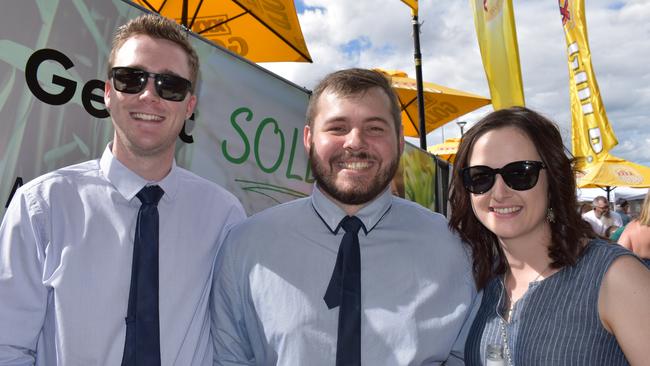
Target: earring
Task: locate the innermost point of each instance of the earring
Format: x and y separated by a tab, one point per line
550	215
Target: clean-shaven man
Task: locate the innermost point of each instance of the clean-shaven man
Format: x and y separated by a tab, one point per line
110	261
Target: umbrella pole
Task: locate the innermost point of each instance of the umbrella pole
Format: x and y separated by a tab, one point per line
418	79
184	14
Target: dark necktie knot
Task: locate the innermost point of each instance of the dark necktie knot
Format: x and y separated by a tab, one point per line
150	195
351	224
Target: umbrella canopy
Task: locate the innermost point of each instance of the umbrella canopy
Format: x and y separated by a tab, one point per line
613	172
447	150
441	104
261	31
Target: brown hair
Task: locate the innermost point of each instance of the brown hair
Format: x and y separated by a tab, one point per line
156	26
568	230
352	82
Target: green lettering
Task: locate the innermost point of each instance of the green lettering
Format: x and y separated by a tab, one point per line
291	155
258	135
247	147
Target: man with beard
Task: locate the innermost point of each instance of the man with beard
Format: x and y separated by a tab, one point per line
297	285
601	217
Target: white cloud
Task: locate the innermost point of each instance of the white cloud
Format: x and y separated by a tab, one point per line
618	33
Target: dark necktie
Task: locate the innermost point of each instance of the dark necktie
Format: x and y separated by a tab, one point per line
142	346
344	290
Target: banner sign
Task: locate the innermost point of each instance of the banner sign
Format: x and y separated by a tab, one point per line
497	40
246	132
413	4
415	179
592	136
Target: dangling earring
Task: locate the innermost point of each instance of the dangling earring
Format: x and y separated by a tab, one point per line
550	215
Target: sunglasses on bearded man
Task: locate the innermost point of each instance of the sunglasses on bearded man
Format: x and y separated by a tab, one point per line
518	175
132	81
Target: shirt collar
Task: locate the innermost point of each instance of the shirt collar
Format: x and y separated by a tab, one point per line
370	214
128	183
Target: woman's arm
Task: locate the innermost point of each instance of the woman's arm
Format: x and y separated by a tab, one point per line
623	306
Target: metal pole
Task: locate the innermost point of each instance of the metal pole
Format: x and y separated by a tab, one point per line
418	79
184	21
461	124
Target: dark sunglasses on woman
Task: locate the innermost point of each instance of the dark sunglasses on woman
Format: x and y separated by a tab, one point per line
132	81
518	175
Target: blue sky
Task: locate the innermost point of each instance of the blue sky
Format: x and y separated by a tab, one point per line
377	33
300	6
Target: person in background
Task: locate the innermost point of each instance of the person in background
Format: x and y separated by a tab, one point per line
110	261
351	275
611	231
623	210
584	208
636	236
550	293
601	217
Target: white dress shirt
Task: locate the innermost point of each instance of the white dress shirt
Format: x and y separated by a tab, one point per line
66	247
600	225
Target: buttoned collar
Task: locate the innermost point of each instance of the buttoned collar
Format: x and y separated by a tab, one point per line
370	214
128	183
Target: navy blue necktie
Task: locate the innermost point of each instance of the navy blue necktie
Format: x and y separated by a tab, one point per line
142	346
344	290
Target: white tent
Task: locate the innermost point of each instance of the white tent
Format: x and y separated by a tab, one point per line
630	194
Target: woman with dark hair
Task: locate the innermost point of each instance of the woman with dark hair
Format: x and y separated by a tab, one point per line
552	293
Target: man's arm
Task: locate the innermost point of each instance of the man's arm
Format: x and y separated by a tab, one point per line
23	297
457	355
230	337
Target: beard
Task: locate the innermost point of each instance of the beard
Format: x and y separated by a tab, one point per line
360	191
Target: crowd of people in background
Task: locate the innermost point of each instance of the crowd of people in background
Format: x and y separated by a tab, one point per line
636	233
621	226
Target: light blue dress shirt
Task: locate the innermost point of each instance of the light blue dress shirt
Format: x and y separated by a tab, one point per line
66	247
272	272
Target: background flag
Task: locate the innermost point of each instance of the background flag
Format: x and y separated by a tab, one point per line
413	4
497	39
592	136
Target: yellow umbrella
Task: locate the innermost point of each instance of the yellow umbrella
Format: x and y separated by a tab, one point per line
447	150
261	31
613	172
441	104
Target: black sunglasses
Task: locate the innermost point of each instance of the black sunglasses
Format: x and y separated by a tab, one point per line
518	175
132	81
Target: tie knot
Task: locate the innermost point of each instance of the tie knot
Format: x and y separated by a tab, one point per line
150	195
351	224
